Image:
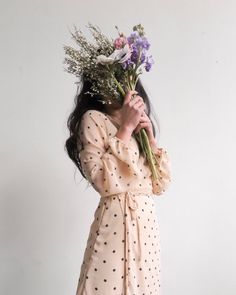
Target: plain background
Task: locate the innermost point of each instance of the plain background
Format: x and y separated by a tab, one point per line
45	211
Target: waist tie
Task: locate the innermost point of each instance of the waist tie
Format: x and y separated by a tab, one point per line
130	210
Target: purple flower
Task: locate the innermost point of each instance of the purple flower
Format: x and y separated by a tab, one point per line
146	44
143	56
128	63
138	43
143	43
149	62
133	37
134	55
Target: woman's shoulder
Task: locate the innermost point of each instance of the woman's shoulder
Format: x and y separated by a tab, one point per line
93	122
94	119
94	115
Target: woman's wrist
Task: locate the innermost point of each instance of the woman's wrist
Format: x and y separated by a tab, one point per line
154	146
124	133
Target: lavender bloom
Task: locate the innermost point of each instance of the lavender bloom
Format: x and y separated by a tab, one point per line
134	55
146	44
143	43
138	44
143	57
128	63
132	37
149	63
135	39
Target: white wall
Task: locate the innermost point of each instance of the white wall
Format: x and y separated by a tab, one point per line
45	215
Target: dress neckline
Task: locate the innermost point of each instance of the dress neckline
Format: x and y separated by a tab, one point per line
113	121
116	124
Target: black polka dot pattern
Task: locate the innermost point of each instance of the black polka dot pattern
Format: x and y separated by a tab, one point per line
111	165
126	253
123	247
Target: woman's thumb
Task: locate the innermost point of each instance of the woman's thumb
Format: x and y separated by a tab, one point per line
129	95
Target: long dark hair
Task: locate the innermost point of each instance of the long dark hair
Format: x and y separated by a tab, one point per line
84	101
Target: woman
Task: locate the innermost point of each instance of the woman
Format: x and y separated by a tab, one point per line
122	254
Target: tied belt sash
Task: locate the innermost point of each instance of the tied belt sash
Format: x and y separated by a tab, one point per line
130	216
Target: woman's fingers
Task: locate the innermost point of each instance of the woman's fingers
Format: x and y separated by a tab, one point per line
141	108
129	96
141	125
144	118
136	101
138	105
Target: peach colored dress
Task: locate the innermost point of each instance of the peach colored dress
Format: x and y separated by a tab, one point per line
122	255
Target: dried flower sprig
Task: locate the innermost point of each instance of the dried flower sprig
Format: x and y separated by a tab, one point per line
113	68
83	61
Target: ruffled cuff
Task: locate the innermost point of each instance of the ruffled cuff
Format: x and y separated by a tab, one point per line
164	170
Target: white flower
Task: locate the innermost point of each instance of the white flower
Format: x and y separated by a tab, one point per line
102	59
120	55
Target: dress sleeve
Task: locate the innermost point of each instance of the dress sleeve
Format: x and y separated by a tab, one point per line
164	171
101	153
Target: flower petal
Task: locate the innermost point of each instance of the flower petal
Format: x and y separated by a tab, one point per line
104	59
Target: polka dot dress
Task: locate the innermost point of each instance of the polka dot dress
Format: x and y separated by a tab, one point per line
122	255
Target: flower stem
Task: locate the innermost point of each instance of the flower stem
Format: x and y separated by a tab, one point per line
149	153
137	64
118	85
142	135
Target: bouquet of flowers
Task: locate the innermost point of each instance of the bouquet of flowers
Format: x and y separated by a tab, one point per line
113	67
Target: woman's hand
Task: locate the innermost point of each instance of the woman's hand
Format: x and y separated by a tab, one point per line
145	123
131	110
